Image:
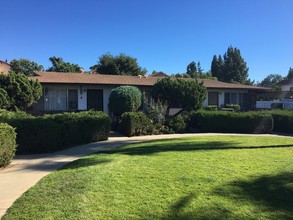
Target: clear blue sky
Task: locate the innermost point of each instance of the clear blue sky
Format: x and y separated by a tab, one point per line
164	35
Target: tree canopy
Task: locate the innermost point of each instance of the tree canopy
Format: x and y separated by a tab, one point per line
188	94
25	66
4	99
230	68
271	81
59	65
118	65
21	91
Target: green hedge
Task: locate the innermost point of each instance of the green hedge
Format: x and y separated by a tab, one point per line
7	144
135	124
283	120
55	132
231	122
176	124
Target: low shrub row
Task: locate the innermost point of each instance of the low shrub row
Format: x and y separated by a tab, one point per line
231	122
135	124
176	124
283	120
55	132
7	144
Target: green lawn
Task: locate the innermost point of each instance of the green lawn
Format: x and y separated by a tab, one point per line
217	177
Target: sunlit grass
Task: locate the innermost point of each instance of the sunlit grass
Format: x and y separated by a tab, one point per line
214	177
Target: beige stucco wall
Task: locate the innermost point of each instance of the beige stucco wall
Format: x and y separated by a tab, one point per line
286	88
4	67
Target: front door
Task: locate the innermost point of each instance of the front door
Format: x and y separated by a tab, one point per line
95	99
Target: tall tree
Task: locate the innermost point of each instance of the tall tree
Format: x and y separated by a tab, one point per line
290	73
191	70
25	66
59	65
118	65
194	70
22	92
232	68
217	66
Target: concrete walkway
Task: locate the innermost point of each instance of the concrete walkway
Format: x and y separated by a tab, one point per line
26	170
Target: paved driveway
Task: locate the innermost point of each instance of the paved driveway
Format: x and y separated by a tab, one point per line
25	171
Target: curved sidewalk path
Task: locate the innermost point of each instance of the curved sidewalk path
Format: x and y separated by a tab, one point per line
26	170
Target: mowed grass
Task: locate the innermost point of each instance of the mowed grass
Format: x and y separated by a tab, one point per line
217	177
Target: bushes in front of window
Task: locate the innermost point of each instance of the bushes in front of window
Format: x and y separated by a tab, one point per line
211	108
51	133
235	107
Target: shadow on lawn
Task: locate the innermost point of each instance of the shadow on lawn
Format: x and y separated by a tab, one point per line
274	193
85	162
215	212
153	147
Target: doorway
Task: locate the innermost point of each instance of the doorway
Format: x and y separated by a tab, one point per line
95	99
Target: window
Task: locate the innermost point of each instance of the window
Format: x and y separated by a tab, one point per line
213	98
61	99
234	99
243	100
72	99
227	98
231	98
237	98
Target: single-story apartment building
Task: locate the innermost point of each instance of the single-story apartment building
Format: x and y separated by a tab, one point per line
85	91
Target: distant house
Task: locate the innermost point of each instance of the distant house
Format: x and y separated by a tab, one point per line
278	99
286	85
4	67
84	91
159	74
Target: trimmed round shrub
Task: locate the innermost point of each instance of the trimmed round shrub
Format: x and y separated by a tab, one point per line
7	144
124	99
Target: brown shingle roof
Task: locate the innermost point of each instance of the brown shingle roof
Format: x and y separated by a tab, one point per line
87	78
209	83
102	79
